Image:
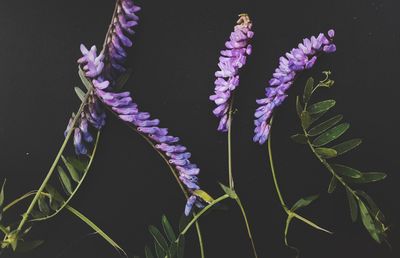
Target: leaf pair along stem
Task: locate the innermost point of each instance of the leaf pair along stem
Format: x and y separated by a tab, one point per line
290	212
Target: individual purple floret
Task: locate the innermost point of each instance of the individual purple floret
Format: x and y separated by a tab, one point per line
103	71
230	61
298	59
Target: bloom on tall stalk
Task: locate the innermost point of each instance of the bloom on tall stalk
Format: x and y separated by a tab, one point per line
103	71
231	60
298	59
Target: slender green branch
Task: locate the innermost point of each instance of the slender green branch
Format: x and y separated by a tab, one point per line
329	167
23	197
239	203
230	175
3	229
175	175
53	166
197	216
271	162
290	213
229	123
66	202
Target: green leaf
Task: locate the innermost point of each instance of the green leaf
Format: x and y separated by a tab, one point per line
369	177
147	252
169	232
158	237
232	194
322	127
322	106
183	221
376	212
65	181
299	108
2	199
173	249
308	89
85	80
353	205
2	194
332	184
159	251
80	93
26	246
305	119
368	221
43	207
316	117
181	247
36	214
346	146
96	229
288	220
71	169
299	138
326	152
203	195
331	134
79	164
303	202
346	171
54	193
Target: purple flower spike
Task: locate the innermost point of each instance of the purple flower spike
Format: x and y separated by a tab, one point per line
298	59
230	61
103	71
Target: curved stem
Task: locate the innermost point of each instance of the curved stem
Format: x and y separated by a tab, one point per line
78	186
247	226
111	26
329	167
230	176
197	216
229	122
271	162
173	172
23	197
289	212
53	166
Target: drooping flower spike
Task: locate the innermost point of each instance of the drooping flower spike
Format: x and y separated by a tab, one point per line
105	68
298	59
103	71
231	60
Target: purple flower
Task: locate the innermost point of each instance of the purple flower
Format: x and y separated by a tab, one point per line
298	59
104	69
230	61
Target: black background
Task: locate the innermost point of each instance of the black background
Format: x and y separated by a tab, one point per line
174	58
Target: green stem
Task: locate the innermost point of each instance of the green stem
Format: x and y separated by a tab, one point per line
271	162
197	216
230	176
247	226
282	201
78	186
229	123
4	230
23	197
329	167
53	166
173	172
